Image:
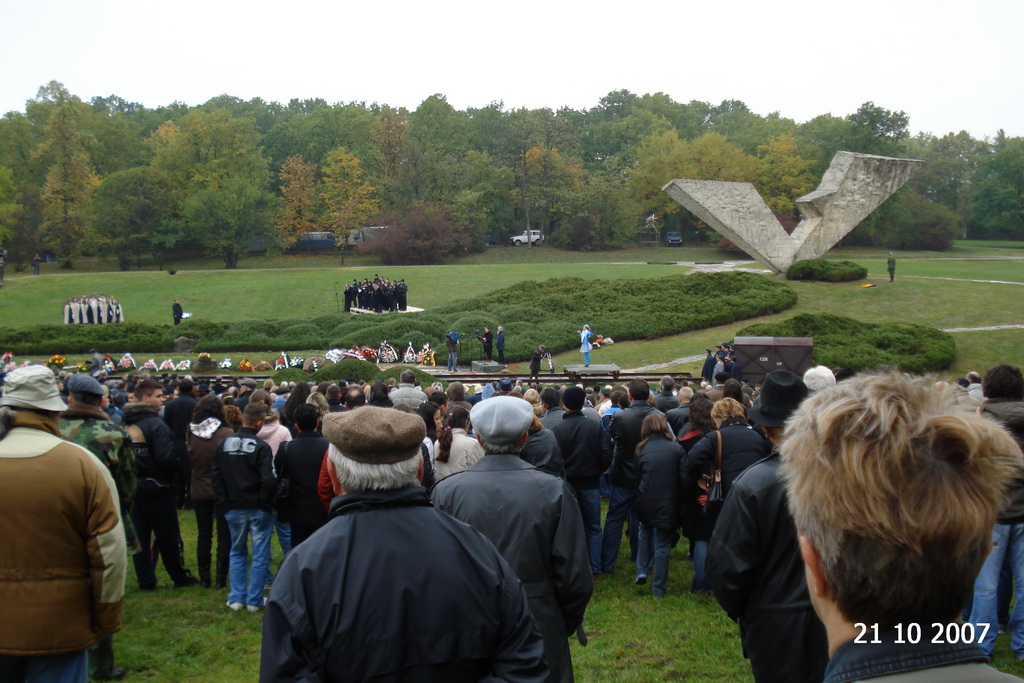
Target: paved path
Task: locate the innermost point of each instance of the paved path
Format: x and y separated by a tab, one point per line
982	329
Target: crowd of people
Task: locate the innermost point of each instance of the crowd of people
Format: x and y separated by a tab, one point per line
379	295
828	515
92	310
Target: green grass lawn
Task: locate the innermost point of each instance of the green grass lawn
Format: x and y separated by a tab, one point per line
287	286
190	635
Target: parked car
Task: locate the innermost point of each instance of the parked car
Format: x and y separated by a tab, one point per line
526	237
673	239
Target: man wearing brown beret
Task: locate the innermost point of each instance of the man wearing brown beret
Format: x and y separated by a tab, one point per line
538	530
387	565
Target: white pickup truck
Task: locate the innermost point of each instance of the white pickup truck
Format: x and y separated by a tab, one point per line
527	237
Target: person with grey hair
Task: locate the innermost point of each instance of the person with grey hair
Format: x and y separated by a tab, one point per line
539	532
679	416
818	378
407	393
338	609
64	558
666	400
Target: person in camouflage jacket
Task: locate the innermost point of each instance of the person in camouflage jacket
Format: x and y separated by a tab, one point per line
86	424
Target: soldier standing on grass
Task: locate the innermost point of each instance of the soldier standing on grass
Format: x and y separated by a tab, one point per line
176	310
86	424
892	267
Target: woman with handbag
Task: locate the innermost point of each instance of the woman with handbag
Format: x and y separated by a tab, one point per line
713	465
657	500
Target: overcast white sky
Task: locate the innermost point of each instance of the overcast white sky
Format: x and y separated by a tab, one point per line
949	65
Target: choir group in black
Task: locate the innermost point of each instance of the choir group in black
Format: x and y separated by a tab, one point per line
379	295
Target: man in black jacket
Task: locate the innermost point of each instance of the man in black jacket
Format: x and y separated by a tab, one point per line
553	413
539	530
679	416
243	478
753	562
299	462
488	343
339	607
154	513
624	429
178	415
666	400
587	452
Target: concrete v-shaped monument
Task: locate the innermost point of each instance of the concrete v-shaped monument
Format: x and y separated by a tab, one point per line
853	186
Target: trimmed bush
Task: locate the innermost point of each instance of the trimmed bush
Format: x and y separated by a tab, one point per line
551	311
532	312
825	270
844	342
349	369
291	375
425	379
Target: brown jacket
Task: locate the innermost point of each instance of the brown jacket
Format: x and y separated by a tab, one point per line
62	554
202	440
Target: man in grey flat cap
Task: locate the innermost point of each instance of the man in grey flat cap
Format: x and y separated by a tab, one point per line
533	519
340	607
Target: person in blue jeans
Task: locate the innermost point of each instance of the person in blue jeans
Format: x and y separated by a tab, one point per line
586	451
243	479
1004	403
624	429
657	501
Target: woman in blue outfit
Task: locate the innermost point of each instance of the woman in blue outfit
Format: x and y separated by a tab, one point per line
585	345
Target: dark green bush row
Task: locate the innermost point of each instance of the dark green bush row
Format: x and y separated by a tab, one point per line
844	342
548	312
824	270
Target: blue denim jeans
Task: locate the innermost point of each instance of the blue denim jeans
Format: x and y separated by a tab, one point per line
654	547
621	508
453	362
244	523
1007	539
590	509
70	667
700	579
284	535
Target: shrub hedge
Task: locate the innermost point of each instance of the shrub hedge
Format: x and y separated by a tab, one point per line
532	312
825	270
844	342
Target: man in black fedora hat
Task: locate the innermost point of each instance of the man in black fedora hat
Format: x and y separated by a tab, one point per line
753	561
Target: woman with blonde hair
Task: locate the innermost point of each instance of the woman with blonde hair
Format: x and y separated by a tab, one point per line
657	500
732	448
532	396
319	401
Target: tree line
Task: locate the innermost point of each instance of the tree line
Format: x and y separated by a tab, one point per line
119	178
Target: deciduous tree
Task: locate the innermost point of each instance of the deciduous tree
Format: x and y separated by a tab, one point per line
424	234
298	210
223	219
134	207
348	198
999	190
784	176
70	185
9	207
